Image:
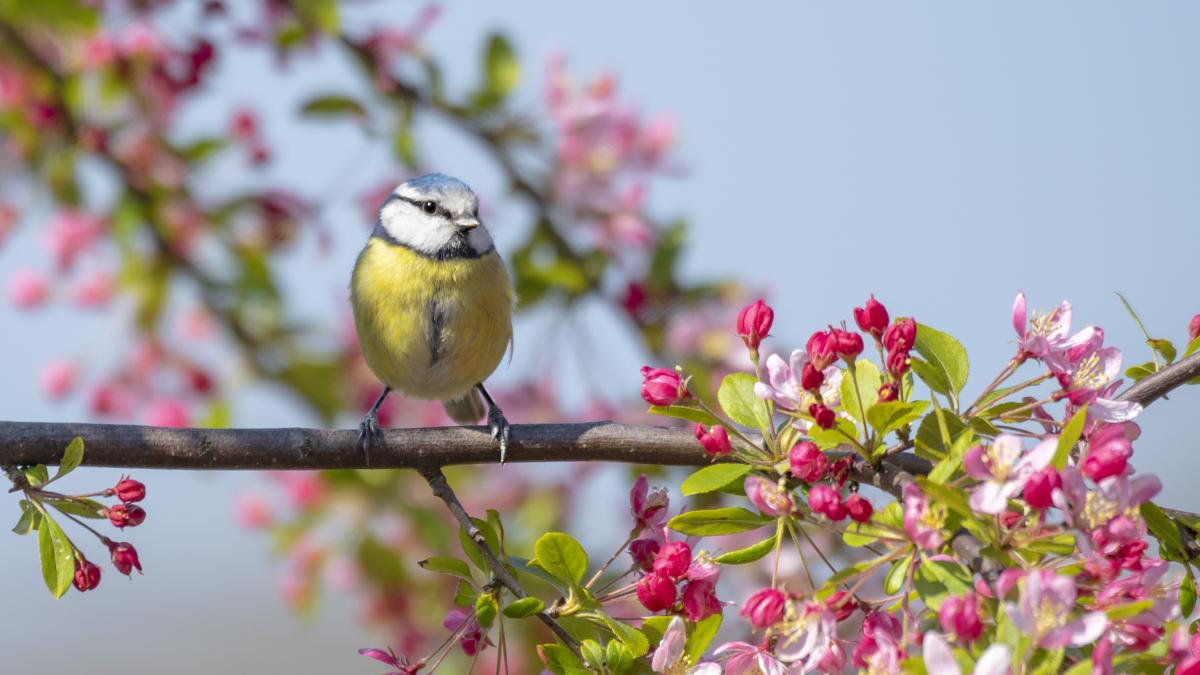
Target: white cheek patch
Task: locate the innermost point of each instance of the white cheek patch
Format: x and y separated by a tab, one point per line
416	229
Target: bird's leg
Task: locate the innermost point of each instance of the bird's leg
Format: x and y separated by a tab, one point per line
501	430
368	431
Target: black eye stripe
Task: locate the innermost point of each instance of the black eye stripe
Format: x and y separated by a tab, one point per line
420	204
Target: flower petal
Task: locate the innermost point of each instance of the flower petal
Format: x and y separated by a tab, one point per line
939	660
996	660
1020	314
1087	628
989	498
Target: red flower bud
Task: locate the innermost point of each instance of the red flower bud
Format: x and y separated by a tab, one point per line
128	491
860	509
807	462
715	442
1009	519
643	552
673	559
897	363
820	349
811	379
765	608
872	318
1040	487
126	515
656	592
661	386
700	600
822	497
837	511
959	616
1194	327
842	604
201	381
754	323
889	391
846	344
124	557
900	336
634	300
822	416
87	575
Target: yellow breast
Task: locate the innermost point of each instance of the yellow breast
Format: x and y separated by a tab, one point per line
431	328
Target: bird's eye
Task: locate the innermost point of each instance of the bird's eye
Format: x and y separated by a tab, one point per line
429	207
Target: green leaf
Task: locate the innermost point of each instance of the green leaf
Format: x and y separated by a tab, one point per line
1068	439
714	522
1192	347
935	579
945	469
333	105
931	375
831	438
593	653
738	400
464	594
929	442
72	458
490	538
1164	348
617	657
869	380
1187	594
57	556
321	13
632	638
894	581
562	661
523	608
380	563
955	500
316	382
1059	544
1141	370
502	72
447	565
560	555
749	554
37	475
78	506
862	534
1165	530
25	522
1128	610
684	412
486	608
945	353
701	636
712	478
891	415
198	151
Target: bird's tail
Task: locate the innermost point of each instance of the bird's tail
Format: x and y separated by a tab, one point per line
466	410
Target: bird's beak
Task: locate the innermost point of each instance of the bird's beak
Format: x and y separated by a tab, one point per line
467	222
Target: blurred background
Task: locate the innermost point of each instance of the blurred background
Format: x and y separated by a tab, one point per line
184	187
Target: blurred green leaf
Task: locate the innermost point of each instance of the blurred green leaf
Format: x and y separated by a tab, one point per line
321	13
928	441
714	522
334	105
712	478
379	563
317	382
1069	437
936	579
203	149
37	475
486	608
501	73
1164	348
617	657
897	575
684	412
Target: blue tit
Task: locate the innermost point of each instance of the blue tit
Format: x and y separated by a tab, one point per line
433	303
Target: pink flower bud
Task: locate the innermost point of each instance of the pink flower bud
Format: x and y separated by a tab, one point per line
900	336
821	497
124	557
1101	464
126	515
129	490
715	442
661	386
754	323
820	349
897	363
837	511
27	288
811	379
807	462
770	498
872	318
1040	487
846	344
765	608
889	391
842	604
673	559
700	600
87	575
1194	327
57	378
959	616
656	592
859	508
822	416
643	552
634	300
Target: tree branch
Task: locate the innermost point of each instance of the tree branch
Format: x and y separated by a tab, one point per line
1155	386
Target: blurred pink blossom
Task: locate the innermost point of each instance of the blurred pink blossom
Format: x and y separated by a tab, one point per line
94	290
58	377
167	412
27	288
252	510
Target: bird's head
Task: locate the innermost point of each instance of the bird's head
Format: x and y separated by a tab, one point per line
435	215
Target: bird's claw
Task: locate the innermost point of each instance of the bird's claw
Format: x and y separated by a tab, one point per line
501	429
368	432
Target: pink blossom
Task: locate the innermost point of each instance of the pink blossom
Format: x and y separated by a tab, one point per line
673	559
58	377
1088	381
715	442
765	607
1004	468
402	665
303	489
252	511
783	383
939	659
754	323
770	497
472	640
743	658
670	657
807	462
922	521
700	600
27	288
879	650
71	233
643	552
1047	600
93	290
1046	335
807	639
662	386
959	616
656	592
649	508
872	318
167	412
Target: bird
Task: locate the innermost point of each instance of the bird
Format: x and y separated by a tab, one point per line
432	304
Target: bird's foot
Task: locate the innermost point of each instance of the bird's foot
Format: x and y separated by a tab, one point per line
368	433
501	429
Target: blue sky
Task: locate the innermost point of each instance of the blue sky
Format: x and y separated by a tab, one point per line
940	155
